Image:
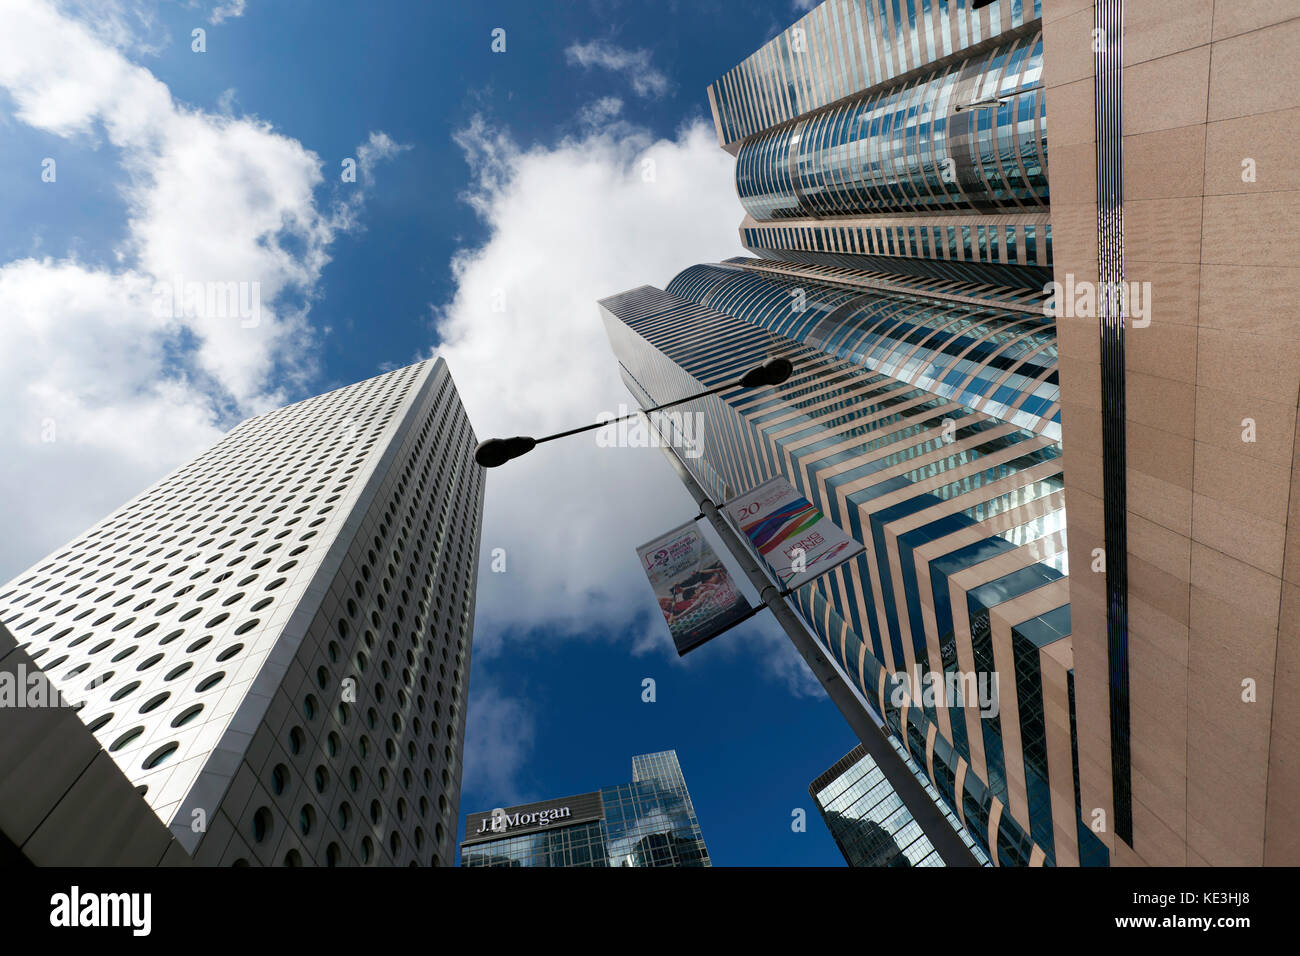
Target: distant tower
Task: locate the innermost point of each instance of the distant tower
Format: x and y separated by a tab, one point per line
273	642
868	821
648	822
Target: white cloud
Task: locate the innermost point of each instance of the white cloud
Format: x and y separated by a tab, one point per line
500	732
378	148
90	414
227	101
646	79
123	24
228	10
779	659
570	225
600	112
87	355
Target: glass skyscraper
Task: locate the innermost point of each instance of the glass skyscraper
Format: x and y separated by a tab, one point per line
869	823
648	822
965	364
273	642
892	163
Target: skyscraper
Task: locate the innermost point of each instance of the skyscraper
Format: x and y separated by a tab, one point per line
273	642
648	822
892	161
868	821
904	237
961	510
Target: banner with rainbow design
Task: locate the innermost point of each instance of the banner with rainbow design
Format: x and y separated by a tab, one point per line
790	533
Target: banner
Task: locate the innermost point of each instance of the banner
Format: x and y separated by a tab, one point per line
796	540
696	594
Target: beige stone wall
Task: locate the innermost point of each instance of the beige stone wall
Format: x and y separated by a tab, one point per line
1214	552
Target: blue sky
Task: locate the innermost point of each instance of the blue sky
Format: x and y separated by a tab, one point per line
499	195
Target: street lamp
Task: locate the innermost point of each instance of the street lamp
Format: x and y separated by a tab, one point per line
493	452
977	104
1000	100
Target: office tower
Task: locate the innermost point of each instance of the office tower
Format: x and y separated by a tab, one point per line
903	138
892	164
892	161
961	510
648	822
895	190
868	821
273	642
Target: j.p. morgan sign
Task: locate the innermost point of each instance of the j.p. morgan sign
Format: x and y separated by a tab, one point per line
502	823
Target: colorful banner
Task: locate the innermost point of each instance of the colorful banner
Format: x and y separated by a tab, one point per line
796	540
696	594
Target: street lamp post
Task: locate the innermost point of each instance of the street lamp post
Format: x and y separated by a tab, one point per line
1002	99
493	452
855	710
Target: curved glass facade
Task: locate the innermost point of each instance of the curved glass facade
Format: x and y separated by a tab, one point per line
966	524
941	239
908	149
842	46
996	361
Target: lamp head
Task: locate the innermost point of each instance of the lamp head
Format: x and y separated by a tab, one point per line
772	372
493	452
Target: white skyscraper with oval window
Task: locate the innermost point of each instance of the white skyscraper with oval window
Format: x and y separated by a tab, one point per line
273	642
